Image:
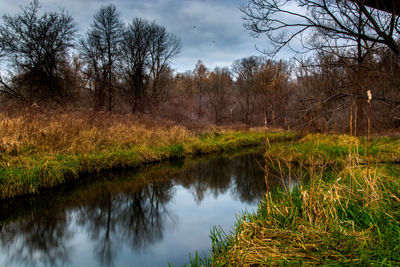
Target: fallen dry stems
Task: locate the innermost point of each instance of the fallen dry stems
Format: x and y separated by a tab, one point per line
339	215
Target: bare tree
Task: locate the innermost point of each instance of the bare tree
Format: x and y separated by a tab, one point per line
37	46
328	96
219	84
273	80
92	55
136	48
9	90
246	70
348	35
163	47
284	22
200	75
148	49
101	49
1	52
321	80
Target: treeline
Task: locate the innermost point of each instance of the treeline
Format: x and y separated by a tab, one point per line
126	68
113	60
254	91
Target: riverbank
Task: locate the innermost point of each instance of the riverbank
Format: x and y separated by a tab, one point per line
346	211
41	150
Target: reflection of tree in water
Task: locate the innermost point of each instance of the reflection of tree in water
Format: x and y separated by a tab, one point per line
207	177
248	175
242	174
131	210
137	218
147	221
99	218
38	238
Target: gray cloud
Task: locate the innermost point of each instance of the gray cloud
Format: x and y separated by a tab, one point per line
211	30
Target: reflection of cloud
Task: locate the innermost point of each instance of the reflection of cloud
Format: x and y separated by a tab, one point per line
137	218
211	30
42	239
136	211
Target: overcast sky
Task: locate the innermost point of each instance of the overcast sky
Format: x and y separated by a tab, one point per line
211	30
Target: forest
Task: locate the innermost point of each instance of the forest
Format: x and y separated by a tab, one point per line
126	68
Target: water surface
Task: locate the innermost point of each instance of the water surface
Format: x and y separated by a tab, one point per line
150	216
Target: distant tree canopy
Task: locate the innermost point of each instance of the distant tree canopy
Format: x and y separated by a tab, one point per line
246	70
351	39
37	46
219	84
118	67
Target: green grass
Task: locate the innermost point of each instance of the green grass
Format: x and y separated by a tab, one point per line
337	216
29	169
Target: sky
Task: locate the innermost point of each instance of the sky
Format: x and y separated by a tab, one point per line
211	30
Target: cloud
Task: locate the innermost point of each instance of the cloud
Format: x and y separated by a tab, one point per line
211	30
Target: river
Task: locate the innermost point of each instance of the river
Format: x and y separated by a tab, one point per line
150	216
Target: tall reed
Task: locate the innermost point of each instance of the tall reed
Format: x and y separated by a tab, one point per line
335	216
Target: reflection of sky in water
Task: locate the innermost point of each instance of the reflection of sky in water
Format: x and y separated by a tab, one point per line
191	232
130	223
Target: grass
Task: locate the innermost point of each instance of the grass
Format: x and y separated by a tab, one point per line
45	149
125	181
339	216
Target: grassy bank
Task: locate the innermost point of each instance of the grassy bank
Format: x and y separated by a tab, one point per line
346	213
42	150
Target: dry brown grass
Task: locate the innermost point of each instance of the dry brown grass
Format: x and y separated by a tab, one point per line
77	132
46	148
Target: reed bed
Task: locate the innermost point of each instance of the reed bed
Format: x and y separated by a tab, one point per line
47	148
344	214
